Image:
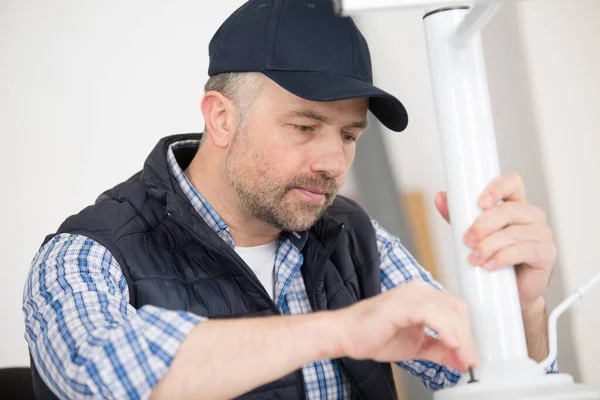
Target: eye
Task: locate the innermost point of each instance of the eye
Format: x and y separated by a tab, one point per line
304	128
349	138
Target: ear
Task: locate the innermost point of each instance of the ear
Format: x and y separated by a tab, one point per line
220	117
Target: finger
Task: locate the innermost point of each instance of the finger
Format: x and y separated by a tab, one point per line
433	316
507	187
508	237
499	217
435	351
469	349
536	254
441	203
457	313
448	315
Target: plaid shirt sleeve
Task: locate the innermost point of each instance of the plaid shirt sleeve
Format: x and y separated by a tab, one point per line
84	337
398	267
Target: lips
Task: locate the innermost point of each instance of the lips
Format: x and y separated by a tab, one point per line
313	194
315	190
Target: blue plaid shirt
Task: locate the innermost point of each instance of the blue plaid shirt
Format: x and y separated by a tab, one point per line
88	341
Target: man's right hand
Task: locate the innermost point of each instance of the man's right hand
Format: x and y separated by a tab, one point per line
391	327
222	359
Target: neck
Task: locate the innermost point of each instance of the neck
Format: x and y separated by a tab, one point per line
205	173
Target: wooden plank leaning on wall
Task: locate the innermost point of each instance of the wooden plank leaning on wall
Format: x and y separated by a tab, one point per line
414	205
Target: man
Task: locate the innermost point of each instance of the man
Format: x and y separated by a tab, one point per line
228	267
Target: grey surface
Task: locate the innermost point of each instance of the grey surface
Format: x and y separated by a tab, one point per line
375	184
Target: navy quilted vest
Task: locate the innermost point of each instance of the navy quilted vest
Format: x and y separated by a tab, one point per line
171	258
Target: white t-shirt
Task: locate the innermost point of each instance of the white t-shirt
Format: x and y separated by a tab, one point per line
261	259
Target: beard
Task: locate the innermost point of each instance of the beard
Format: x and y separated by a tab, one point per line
269	200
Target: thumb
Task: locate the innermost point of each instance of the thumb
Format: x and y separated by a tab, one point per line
441	203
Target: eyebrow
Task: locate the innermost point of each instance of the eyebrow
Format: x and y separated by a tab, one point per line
307	113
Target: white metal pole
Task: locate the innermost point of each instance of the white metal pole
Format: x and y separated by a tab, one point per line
471	161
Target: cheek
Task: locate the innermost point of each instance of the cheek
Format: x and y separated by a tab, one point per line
272	158
283	160
350	152
260	167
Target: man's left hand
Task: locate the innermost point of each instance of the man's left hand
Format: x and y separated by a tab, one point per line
510	231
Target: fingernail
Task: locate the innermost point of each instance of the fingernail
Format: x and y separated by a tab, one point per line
488	201
475	257
471	241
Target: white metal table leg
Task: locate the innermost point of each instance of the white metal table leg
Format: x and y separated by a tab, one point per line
471	161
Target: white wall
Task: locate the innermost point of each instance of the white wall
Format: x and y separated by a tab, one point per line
86	89
562	42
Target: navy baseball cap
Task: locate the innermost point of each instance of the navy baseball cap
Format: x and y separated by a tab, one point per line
305	48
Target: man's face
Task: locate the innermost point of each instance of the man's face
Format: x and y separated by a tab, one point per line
291	159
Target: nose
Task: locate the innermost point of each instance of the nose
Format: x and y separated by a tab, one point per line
330	157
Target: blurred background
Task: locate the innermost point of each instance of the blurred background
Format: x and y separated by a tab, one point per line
87	88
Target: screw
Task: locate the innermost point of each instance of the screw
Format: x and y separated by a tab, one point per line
473	380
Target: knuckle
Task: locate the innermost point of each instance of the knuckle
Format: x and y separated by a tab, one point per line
537	253
421	313
514	235
477	228
514	176
511	253
485	249
501	212
541	215
536	213
504	256
540	255
508	207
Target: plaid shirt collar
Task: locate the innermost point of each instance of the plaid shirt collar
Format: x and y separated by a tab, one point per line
204	209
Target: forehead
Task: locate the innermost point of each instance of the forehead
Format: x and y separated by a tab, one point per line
278	101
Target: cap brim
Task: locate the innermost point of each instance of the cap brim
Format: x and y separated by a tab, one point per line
326	86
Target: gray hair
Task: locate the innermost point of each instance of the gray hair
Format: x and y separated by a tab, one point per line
241	88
